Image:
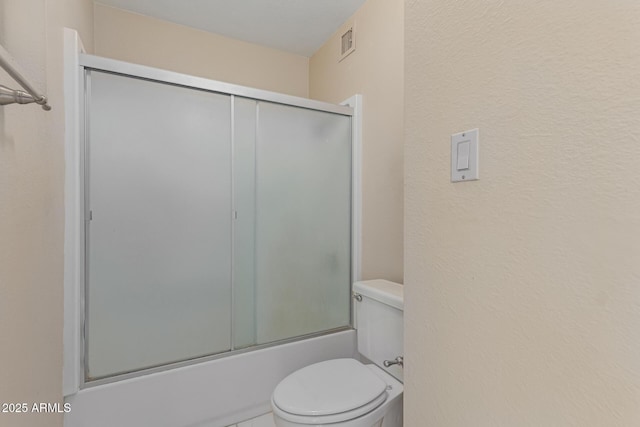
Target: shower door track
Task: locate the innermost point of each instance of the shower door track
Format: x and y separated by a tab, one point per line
134	70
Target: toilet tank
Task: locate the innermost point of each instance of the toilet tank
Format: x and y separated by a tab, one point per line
379	322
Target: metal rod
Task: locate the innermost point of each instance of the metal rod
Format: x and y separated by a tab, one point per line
9	65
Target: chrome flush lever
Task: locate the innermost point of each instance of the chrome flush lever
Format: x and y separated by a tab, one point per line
397	361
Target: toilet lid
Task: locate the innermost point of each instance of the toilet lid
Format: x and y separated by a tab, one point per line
327	388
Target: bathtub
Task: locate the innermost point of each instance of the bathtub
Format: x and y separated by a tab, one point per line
215	393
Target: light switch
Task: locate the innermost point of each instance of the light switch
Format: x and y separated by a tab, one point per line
464	156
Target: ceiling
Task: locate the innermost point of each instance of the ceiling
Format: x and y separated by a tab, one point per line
296	26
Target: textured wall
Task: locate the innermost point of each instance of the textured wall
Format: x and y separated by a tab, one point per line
148	41
375	70
32	207
523	288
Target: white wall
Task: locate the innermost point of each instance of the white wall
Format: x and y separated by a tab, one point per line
32	207
375	70
522	302
148	41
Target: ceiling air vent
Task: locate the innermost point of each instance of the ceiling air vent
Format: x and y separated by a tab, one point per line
348	42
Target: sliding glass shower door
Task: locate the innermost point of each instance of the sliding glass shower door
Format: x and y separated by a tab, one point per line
158	278
303	221
214	222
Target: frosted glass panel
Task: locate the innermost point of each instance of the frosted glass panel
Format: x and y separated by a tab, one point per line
303	221
159	248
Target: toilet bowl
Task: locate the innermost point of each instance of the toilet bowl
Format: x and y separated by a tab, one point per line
346	392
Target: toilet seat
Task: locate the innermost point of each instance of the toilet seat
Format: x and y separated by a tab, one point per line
329	392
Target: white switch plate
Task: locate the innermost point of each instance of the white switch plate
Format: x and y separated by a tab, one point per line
459	143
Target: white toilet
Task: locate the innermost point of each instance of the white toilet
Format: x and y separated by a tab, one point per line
346	392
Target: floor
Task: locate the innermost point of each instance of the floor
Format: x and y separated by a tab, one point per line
265	420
